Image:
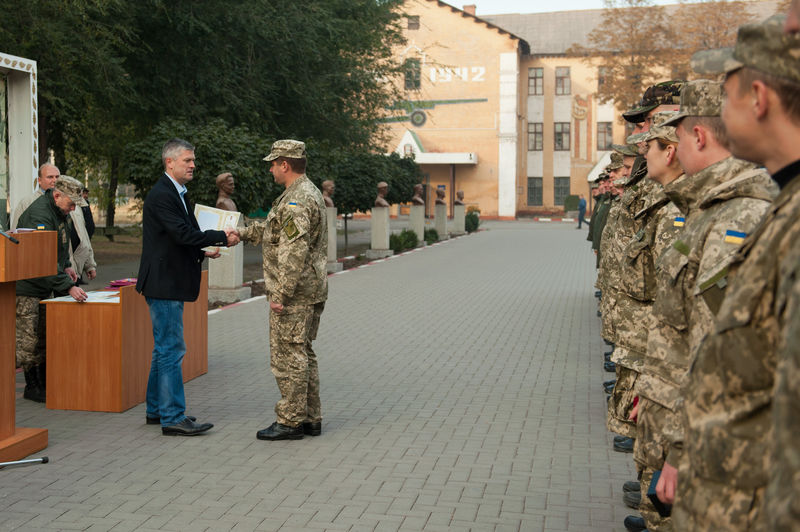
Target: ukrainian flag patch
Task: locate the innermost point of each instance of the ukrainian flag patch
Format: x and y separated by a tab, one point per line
679	221
734	237
292	204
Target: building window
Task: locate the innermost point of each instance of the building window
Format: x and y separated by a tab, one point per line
561	189
604	139
536	81
562	136
535	191
535	136
602	73
413	22
563	85
412	74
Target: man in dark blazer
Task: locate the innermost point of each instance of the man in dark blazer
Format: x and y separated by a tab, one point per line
169	274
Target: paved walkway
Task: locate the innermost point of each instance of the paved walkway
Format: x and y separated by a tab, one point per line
461	389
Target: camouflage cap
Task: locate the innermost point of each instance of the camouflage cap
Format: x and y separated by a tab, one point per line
699	98
616	161
664	93
658	130
72	188
761	46
293	149
603	175
627	150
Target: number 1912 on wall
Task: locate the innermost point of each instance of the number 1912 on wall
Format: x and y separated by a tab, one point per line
446	75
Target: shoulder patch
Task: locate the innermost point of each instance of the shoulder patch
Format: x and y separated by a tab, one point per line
290	229
293	204
734	237
681	247
679	221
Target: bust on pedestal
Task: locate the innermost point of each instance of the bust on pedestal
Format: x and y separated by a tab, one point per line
225	273
379	247
416	215
459	213
328	188
440	214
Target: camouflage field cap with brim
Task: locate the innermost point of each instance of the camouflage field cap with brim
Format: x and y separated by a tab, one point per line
763	47
701	97
627	150
658	130
72	188
603	176
293	149
616	161
664	93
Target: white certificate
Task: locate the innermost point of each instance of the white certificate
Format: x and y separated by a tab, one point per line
216	219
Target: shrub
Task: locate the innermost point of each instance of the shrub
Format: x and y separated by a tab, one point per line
431	236
405	239
471	222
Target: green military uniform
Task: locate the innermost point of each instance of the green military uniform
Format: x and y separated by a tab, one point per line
30	315
295	239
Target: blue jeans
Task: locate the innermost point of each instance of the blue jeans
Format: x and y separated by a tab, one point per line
165	398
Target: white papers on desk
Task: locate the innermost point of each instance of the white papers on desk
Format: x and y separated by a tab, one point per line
216	219
95	296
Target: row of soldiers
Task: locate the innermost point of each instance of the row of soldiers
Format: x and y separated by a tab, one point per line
697	235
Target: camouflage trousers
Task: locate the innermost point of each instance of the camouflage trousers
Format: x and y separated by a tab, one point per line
702	504
620	404
31	335
649	453
608	304
294	363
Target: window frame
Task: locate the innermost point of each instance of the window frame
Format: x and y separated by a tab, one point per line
538	136
538	190
558	185
563	82
608	134
538	85
560	135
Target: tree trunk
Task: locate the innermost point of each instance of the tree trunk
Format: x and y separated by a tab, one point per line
345	234
112	196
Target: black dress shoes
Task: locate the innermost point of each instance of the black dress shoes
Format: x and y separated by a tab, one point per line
157	420
187	427
634	523
624	446
312	429
277	431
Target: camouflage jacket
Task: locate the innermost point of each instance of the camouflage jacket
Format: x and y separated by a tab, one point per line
783	507
729	388
631	269
730	195
43	211
294	239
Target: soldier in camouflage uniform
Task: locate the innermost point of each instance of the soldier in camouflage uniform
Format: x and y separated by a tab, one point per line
49	211
720	194
728	395
627	264
294	239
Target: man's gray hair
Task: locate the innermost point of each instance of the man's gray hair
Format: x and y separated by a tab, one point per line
172	148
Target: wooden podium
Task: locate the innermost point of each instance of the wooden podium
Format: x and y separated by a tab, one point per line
34	256
99	353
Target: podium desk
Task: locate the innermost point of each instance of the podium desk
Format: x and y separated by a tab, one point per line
99	352
34	256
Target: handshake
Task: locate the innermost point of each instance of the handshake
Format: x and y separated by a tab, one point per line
233	237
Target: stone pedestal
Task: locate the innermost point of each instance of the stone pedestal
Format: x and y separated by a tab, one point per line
440	219
416	221
225	277
333	264
379	246
459	212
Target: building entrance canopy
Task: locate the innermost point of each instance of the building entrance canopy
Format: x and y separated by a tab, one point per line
410	144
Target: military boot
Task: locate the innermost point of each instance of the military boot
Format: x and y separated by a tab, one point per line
33	388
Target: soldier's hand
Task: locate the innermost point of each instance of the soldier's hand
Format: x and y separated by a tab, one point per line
213	254
71	272
276	307
91	274
78	294
233	237
634	412
667	482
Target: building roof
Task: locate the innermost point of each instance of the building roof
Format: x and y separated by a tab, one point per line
487	23
554	33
